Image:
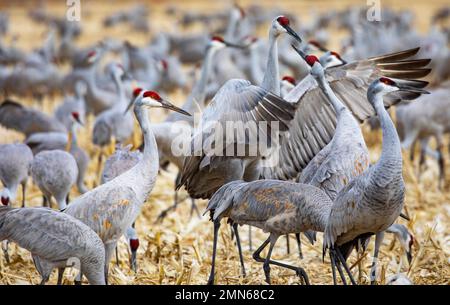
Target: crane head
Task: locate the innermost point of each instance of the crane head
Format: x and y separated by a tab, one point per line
281	24
91	56
5	197
134	246
153	99
76	117
163	65
289	79
331	59
217	43
386	85
314	44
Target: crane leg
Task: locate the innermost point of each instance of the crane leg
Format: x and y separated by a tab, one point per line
5	246
373	269
288	246
336	262
273	239
117	256
298	270
346	268
60	275
109	250
164	213
194	208
333	267
213	261
24	187
238	242
250	238
441	162
299	244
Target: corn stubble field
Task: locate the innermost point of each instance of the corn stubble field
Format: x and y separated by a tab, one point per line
178	250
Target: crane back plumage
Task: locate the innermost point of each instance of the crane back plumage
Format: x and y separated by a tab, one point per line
54	238
275	206
27	120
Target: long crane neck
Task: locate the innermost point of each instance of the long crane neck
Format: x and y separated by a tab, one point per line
121	91
331	96
271	76
255	69
391	153
199	90
146	170
231	28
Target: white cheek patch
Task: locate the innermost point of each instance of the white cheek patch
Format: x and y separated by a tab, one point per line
148	101
279	28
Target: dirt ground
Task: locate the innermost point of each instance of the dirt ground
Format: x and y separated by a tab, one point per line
178	251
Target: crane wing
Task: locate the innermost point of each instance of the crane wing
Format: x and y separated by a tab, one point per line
242	107
315	120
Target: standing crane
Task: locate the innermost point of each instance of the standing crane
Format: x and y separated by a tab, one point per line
55	240
371	202
54	172
112	207
42	141
15	160
175	123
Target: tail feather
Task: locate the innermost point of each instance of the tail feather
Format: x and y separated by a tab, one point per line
222	200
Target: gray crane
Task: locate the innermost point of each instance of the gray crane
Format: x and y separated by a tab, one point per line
54	172
277	207
55	240
112	122
42	141
371	202
15	160
175	123
119	162
27	120
235	101
111	208
72	104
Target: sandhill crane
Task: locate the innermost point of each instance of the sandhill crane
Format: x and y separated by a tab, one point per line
233	101
112	122
54	172
15	160
27	120
55	240
119	162
277	207
175	122
371	202
112	207
63	141
72	104
287	84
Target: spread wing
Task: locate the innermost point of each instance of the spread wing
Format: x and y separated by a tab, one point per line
315	120
241	106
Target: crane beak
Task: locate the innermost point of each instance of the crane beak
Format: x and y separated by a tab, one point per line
167	105
300	52
291	32
409	256
133	260
236	46
129	106
412	89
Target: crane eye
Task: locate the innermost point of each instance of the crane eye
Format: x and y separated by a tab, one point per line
387	81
